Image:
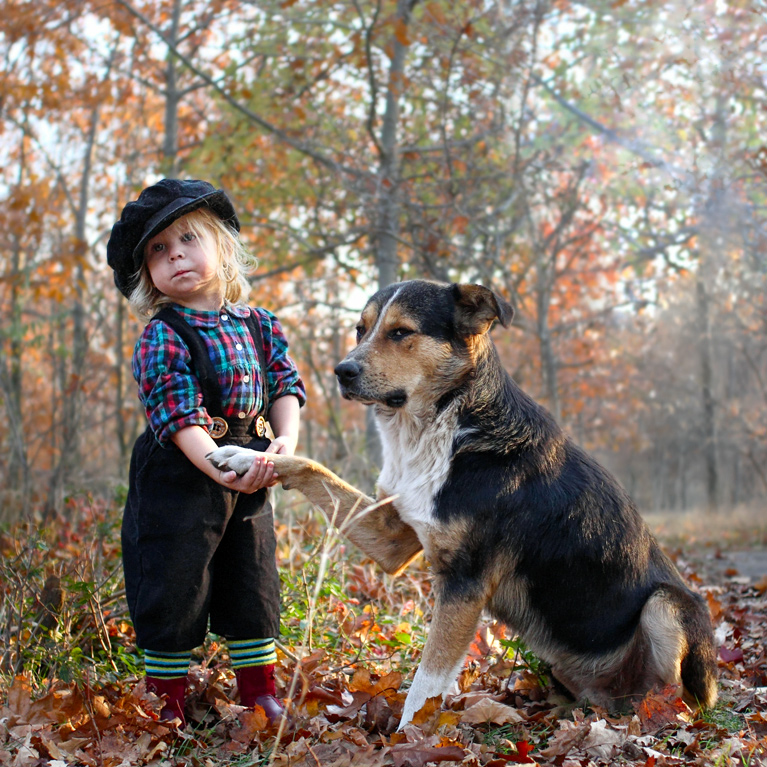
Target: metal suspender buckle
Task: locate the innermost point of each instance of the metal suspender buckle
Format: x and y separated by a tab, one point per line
219	428
260	426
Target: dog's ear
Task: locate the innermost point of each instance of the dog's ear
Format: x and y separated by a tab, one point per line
477	307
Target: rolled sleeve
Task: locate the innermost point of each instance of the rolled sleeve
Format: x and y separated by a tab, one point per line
282	374
168	388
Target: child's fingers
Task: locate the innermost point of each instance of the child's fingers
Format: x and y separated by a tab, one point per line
258	476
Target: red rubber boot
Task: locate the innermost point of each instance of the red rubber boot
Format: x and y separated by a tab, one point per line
174	692
256	686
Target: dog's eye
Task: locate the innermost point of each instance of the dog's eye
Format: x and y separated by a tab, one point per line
399	333
360	332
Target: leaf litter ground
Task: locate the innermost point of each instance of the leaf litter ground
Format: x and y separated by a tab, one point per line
345	683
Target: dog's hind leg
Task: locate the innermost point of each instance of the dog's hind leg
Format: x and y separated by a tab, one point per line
453	624
673	646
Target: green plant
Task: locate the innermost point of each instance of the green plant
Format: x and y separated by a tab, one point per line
60	595
529	660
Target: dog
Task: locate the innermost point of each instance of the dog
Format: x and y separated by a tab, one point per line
513	517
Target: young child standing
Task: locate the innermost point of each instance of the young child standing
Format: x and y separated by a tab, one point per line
198	543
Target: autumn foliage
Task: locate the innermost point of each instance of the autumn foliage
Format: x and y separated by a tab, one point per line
601	167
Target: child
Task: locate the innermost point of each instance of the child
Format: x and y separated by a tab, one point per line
198	543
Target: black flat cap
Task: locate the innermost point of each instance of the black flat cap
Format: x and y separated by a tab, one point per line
157	207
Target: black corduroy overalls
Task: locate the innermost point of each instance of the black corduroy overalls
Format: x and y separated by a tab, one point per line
194	550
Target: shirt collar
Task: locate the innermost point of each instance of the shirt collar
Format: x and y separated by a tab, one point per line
204	319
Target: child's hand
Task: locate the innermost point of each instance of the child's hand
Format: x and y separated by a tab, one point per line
282	445
260	474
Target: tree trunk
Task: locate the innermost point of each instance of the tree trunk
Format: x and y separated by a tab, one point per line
703	309
549	366
120	365
172	97
388	204
387	214
69	460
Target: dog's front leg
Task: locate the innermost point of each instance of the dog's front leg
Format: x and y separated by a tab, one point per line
453	624
375	527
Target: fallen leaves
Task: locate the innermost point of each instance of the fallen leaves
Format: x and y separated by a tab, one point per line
422	752
347	707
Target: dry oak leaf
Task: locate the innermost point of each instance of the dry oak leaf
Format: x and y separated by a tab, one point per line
19	700
661	708
358	700
383	713
603	740
568	737
491	711
252	721
425	713
419	754
425	720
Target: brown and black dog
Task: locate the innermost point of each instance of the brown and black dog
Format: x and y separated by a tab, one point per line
512	516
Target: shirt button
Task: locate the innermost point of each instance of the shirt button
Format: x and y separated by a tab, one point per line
246	379
238	347
224	317
241	415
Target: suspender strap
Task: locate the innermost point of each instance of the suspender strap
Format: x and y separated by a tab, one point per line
203	366
254	323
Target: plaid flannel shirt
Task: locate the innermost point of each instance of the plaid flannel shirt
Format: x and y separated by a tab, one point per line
168	385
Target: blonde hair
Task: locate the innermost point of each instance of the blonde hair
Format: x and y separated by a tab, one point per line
234	263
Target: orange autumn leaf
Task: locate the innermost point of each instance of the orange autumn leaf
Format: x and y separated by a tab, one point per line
661	708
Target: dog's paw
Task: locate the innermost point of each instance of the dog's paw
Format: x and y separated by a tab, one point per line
232	458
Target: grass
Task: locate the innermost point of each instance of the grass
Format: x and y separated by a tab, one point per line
724	717
503	739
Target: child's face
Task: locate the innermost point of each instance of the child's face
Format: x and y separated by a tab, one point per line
183	266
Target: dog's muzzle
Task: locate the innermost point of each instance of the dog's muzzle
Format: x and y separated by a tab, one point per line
350	381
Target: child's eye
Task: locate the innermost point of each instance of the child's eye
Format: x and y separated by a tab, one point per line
188	237
157	247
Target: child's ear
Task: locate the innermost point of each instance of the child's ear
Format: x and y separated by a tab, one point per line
477	307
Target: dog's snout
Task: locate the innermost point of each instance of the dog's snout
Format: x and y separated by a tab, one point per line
348	371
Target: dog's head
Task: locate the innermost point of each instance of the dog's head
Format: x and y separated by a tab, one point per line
418	340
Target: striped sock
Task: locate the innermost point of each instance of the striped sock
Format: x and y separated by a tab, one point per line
166	665
245	653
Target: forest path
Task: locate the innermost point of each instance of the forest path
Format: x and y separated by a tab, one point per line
747	566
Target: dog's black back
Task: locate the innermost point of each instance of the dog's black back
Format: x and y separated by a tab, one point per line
574	534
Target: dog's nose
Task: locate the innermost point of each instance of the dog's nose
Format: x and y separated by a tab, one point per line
347	371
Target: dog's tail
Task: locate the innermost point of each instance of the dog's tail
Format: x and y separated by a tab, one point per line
678	624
